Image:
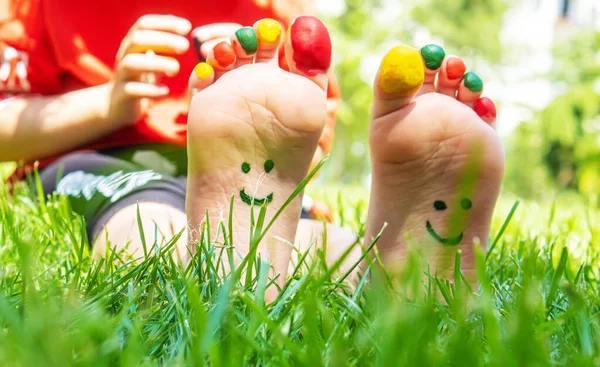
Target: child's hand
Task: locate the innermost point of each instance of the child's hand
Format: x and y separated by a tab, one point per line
140	58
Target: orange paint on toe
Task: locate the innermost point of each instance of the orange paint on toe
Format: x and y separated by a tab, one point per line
455	68
224	54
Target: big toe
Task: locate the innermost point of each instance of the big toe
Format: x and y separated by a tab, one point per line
308	49
400	77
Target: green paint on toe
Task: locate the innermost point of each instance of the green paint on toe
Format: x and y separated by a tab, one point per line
433	55
473	82
248	40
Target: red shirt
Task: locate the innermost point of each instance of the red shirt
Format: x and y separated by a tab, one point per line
71	44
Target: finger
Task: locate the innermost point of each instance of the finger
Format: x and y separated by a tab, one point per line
308	49
165	23
470	88
213	32
486	109
217	30
221	58
202	77
133	65
268	32
245	45
148	77
145	90
157	41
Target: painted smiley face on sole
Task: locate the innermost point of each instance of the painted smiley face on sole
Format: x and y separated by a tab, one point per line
439	205
249	199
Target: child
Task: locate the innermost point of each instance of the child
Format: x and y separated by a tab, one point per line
252	130
101	99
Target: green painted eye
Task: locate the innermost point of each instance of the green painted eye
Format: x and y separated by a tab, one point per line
466	204
269	165
245	167
439	205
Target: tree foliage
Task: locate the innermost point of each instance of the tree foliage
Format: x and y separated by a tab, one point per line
562	143
465	24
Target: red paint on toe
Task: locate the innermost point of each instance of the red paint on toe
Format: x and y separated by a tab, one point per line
485	108
455	68
311	44
224	54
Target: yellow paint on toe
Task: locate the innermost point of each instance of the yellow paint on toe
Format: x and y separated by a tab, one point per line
401	71
269	31
203	70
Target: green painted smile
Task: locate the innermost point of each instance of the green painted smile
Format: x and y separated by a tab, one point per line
251	200
248	199
450	241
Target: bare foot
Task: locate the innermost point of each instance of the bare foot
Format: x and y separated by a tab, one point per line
253	129
437	161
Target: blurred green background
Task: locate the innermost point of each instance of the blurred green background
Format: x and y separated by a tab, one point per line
539	59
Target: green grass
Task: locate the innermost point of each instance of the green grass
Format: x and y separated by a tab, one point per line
537	303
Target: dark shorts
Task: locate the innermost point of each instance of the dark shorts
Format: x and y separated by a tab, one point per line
99	184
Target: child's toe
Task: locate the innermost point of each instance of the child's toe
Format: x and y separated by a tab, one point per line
399	78
308	49
486	109
222	58
268	33
245	45
470	88
201	77
433	56
450	75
